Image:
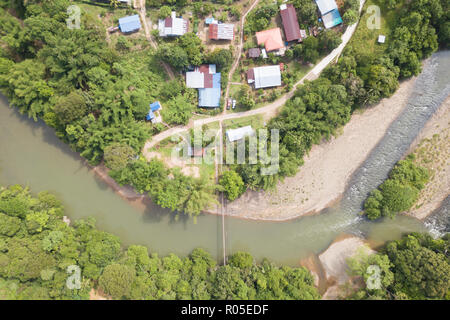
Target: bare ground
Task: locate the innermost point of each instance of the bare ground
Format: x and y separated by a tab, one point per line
334	263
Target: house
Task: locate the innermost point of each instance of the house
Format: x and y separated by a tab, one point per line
130	24
221	31
201	77
208	82
254	52
290	23
153	113
210	20
381	38
271	39
330	14
172	26
264	77
239	133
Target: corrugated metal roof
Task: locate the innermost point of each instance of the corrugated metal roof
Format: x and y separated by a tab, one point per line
155	106
150	115
195	79
332	19
271	39
254	52
221	31
129	24
204	76
250	76
225	31
209	97
268	76
216	80
239	133
290	23
326	6
172	26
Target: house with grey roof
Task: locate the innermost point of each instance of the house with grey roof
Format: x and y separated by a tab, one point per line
264	77
239	133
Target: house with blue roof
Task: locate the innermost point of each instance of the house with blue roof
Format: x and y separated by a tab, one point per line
130	24
208	82
330	14
153	113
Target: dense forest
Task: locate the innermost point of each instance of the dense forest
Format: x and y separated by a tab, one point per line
38	250
96	96
414	267
37	247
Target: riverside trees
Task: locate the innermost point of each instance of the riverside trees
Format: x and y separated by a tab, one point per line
94	96
399	192
414	267
37	247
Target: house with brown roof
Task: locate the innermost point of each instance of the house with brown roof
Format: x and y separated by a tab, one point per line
254	52
272	40
290	23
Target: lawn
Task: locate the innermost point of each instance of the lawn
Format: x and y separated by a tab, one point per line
364	40
256	121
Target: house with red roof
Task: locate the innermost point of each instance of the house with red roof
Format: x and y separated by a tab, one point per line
272	40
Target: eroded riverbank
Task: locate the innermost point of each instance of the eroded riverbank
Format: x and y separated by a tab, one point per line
328	168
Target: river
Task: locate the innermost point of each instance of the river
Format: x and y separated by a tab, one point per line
32	155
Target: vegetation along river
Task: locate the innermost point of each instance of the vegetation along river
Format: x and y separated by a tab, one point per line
32	155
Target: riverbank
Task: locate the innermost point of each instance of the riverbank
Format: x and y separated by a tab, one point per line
324	177
432	150
333	261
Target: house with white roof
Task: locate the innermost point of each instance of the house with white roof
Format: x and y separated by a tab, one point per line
239	133
330	14
264	77
172	26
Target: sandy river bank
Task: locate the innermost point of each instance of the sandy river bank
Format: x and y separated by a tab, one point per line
323	178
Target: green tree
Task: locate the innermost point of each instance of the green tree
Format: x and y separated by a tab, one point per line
350	17
232	183
117	156
164	12
116	280
70	108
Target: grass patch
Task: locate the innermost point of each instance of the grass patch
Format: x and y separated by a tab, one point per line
365	40
256	121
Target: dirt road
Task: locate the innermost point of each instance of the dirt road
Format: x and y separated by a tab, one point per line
269	111
140	4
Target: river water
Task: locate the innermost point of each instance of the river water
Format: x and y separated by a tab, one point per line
32	155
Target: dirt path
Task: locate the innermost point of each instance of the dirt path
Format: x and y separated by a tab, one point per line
269	111
140	4
239	53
